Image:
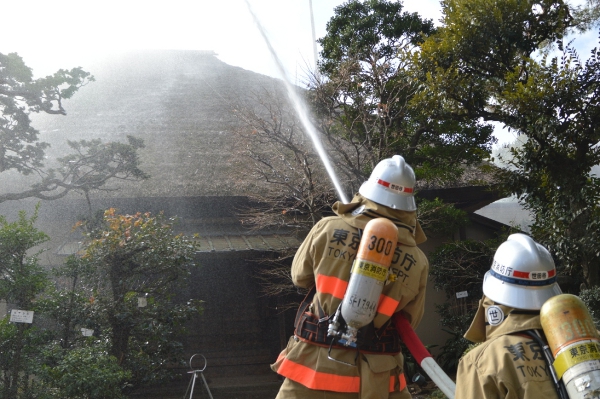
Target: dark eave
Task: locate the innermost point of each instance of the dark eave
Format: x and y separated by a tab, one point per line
468	198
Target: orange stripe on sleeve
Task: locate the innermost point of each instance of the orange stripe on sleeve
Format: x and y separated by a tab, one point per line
387	305
331	285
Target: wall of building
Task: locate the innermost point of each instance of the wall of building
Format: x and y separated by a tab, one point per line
239	330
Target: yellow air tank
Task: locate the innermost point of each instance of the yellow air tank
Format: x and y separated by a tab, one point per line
575	345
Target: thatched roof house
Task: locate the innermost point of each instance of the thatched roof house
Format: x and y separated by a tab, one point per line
179	103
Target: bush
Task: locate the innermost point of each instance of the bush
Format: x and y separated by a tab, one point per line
88	372
456	345
591	298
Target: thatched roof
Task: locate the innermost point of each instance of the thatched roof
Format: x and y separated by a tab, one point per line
179	102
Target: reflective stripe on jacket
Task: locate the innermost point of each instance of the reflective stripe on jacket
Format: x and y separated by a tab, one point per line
303	362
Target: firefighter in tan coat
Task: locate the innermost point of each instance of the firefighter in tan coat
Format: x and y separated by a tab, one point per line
314	364
510	361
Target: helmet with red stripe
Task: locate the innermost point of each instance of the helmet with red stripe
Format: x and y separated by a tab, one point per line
392	184
522	275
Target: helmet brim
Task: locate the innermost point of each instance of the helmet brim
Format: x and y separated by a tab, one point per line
516	296
383	196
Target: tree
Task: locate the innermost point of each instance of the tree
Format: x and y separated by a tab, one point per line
364	106
133	270
487	62
289	187
22	279
362	102
366	97
35	361
92	163
278	155
587	16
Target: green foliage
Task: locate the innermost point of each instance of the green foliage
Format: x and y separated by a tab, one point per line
486	62
552	170
440	219
21	348
460	266
22	278
21	95
587	16
366	96
359	26
437	394
133	257
94	163
455	322
68	308
86	372
21	281
591	298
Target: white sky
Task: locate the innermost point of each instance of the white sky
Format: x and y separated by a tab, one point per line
67	33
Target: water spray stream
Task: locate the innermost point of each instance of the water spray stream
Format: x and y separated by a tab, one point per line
301	109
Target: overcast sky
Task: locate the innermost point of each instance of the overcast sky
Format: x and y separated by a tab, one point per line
67	33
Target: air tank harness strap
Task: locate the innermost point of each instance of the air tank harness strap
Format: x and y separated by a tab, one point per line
540	339
311	328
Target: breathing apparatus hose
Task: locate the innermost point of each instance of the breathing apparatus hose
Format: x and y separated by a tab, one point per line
558	384
422	356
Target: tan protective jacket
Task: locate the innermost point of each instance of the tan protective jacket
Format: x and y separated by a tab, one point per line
508	363
324	259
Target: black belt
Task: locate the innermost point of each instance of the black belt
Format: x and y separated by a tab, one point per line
369	339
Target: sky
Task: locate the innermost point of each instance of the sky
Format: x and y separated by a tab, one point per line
65	33
50	35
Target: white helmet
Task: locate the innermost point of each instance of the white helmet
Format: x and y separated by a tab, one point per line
392	184
523	274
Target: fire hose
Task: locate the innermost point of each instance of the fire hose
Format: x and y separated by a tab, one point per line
422	356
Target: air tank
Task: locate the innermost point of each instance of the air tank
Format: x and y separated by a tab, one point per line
575	345
369	274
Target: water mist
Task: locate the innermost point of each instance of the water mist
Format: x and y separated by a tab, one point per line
301	110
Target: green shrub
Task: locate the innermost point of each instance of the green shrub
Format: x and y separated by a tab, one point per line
591	298
88	372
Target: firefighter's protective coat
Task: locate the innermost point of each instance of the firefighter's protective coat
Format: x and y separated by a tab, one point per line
324	260
508	363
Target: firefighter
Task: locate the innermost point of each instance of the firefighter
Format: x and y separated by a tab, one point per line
314	364
510	361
